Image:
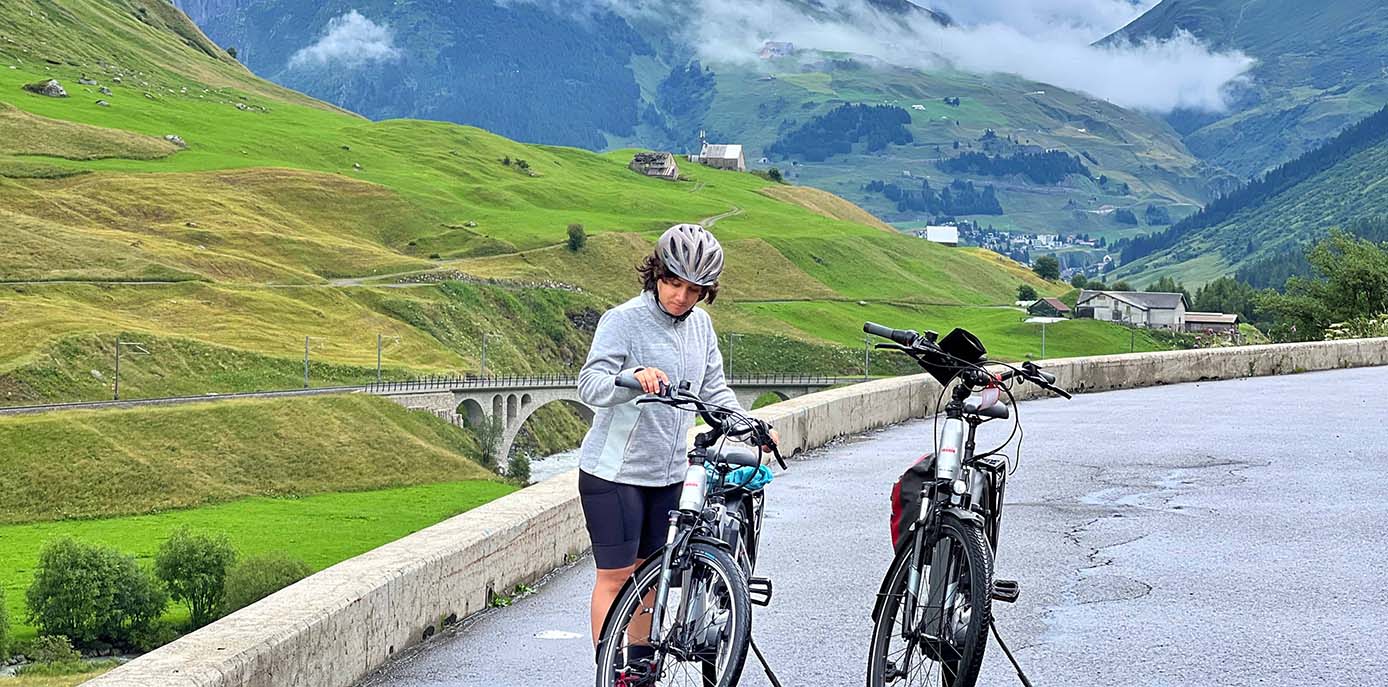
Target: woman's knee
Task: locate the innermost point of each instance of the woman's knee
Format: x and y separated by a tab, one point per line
613	578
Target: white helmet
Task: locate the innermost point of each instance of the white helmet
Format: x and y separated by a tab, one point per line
692	254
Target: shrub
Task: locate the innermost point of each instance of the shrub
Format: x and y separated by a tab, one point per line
577	237
1026	293
50	649
257	577
92	594
518	468
194	569
1079	281
775	175
4	628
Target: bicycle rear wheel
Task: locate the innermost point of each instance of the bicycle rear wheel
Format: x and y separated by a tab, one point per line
940	638
707	626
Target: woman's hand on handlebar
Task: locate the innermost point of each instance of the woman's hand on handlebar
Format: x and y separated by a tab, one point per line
775	441
651	379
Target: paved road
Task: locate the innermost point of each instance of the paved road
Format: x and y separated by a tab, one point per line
1227	533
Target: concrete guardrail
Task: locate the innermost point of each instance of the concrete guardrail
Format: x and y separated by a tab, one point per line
334	627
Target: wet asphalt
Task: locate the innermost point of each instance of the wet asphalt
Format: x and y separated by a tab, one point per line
1223	533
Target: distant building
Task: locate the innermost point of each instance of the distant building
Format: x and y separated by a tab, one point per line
1213	322
771	50
720	156
1049	307
1136	308
660	165
948	236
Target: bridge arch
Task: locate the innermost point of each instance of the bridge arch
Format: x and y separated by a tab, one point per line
526	410
471	412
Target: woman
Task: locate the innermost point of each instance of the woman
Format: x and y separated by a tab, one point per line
632	462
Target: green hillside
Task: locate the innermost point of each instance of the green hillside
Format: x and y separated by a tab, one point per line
271	223
1341	182
754	108
605	76
1320	67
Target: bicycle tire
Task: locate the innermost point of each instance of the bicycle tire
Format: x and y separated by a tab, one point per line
727	582
961	668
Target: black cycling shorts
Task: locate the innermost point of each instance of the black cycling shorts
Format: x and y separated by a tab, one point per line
625	522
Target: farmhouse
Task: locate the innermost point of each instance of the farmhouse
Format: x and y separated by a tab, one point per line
1214	322
720	155
1139	309
1049	307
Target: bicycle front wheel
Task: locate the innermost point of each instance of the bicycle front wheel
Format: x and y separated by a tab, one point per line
936	634
706	626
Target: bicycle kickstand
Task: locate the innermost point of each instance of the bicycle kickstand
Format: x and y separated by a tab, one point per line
1020	675
765	666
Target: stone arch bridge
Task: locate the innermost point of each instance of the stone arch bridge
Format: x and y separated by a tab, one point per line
469	401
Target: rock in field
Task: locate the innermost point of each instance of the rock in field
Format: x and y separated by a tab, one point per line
86	82
102	103
176	140
50	88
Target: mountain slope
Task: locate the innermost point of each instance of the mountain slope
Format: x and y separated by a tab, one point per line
1321	66
1343	181
584	75
283	218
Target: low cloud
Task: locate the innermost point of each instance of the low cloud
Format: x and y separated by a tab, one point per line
1050	41
350	41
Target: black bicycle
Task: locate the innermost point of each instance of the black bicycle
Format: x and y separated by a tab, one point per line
934	608
684	617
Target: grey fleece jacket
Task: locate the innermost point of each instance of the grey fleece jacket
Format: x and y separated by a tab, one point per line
645	444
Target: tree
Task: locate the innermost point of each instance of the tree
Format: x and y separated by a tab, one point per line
1122	285
775	175
194	569
92	594
1227	295
232	52
1125	216
1349	282
1168	285
577	237
1047	267
1079	281
1026	293
489	433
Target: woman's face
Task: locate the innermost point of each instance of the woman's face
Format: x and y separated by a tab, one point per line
677	296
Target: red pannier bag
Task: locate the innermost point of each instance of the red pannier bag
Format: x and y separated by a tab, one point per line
906	496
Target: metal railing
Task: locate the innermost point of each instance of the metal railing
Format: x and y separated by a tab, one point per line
456	382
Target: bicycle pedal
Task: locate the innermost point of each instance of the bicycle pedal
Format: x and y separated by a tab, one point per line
759	589
1006	591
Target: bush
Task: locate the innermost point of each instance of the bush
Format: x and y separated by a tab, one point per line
92	594
1026	293
50	649
257	577
577	237
518	468
774	174
1079	281
4	628
194	569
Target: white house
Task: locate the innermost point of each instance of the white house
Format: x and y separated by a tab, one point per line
948	236
720	156
1136	308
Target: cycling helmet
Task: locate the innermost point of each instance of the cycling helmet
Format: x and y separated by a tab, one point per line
691	253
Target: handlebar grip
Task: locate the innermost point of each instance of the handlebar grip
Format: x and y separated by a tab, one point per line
1048	377
905	337
627	380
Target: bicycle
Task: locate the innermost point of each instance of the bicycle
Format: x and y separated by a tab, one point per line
688	607
934	607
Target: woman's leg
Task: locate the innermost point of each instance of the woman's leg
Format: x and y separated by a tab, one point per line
613	515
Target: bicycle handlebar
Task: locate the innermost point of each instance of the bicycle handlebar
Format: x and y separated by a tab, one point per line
679	397
911	343
905	337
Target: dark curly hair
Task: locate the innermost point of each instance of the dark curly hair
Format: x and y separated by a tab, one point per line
652	269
